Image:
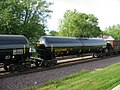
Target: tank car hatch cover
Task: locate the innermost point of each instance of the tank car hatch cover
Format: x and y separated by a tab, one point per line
82	36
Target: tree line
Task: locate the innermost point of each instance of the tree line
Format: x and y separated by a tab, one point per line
74	23
29	18
113	31
26	17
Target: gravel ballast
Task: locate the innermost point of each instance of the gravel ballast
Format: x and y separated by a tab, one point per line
21	82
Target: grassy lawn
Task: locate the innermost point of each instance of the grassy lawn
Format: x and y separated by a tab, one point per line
101	79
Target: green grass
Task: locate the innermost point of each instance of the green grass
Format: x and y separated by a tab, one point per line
101	79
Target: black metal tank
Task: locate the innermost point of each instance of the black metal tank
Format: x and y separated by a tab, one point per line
50	47
13	49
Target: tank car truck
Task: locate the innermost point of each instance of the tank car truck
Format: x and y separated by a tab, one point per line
14	51
50	47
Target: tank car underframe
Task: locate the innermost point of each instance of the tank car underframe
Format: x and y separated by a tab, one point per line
15	62
49	54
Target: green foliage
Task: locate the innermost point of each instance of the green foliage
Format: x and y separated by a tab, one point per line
114	31
26	17
75	24
53	33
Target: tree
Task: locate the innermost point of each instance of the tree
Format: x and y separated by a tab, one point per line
114	31
53	33
26	17
75	24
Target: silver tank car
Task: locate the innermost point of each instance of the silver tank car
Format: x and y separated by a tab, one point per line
50	47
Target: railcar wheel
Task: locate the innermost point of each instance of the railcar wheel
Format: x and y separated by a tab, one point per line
37	64
6	67
96	55
28	66
101	54
12	68
44	64
51	64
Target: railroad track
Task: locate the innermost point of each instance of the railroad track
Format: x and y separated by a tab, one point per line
60	64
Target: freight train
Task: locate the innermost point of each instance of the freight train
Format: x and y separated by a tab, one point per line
15	55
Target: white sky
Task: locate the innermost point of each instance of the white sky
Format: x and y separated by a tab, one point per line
107	11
